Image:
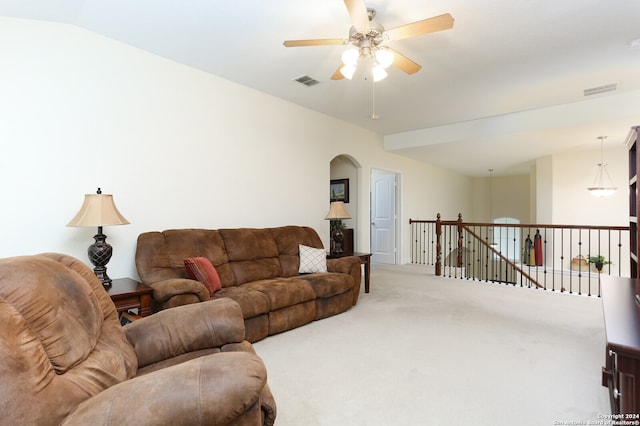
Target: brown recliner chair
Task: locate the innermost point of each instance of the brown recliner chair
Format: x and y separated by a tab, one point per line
65	358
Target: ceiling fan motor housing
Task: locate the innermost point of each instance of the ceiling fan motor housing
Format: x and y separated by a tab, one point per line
368	42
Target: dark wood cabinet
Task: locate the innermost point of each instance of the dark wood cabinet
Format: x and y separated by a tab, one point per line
621	373
621	309
634	206
347	243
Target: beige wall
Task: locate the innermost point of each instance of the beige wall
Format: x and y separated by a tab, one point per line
510	198
574	171
177	147
555	190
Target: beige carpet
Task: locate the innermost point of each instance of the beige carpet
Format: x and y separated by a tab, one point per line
421	350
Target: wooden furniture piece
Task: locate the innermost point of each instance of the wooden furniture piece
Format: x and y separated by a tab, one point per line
365	258
130	294
634	200
621	374
347	242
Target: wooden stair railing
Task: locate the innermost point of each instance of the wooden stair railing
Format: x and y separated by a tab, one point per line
471	250
491	249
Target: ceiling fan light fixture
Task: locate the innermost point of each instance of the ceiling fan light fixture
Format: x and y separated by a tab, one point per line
378	73
350	57
366	36
384	57
347	71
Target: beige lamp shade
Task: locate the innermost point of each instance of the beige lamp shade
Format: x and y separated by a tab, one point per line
337	211
98	210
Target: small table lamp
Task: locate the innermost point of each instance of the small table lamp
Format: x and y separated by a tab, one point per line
99	210
337	212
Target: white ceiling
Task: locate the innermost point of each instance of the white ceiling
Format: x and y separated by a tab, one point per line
502	87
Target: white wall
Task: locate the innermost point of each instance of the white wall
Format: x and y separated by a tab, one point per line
177	147
544	187
574	171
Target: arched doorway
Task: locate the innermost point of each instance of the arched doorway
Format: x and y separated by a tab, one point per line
345	167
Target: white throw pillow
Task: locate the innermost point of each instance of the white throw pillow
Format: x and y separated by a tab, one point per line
312	260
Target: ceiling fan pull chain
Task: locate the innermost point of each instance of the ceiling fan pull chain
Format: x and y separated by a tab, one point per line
374	116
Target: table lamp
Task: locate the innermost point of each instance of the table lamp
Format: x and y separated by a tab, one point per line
99	210
337	212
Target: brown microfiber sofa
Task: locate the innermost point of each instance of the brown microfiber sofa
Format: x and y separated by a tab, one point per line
258	268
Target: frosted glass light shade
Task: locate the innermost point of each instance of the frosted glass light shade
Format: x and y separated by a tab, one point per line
347	71
602	184
601	191
378	73
384	57
350	57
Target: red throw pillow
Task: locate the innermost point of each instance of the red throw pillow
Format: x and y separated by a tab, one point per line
201	269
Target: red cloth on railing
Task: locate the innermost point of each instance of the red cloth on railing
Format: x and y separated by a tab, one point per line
537	247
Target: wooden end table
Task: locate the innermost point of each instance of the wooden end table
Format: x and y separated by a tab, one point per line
127	293
365	258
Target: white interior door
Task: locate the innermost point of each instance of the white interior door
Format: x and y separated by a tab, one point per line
383	217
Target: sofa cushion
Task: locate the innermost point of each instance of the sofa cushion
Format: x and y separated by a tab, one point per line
329	285
283	292
164	254
288	239
253	254
201	269
312	260
252	302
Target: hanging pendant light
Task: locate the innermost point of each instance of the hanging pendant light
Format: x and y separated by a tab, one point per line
493	241
602	184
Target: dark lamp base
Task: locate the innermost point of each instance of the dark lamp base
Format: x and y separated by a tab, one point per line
99	254
101	273
337	236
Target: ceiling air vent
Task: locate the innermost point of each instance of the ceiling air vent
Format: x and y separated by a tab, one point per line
306	80
600	89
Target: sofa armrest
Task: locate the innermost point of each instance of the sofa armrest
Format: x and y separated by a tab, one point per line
348	265
345	265
166	289
184	329
215	389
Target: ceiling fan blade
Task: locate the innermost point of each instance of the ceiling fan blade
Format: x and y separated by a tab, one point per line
404	63
359	15
317	42
337	75
429	25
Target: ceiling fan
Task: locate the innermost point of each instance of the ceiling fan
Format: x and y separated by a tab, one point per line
368	38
